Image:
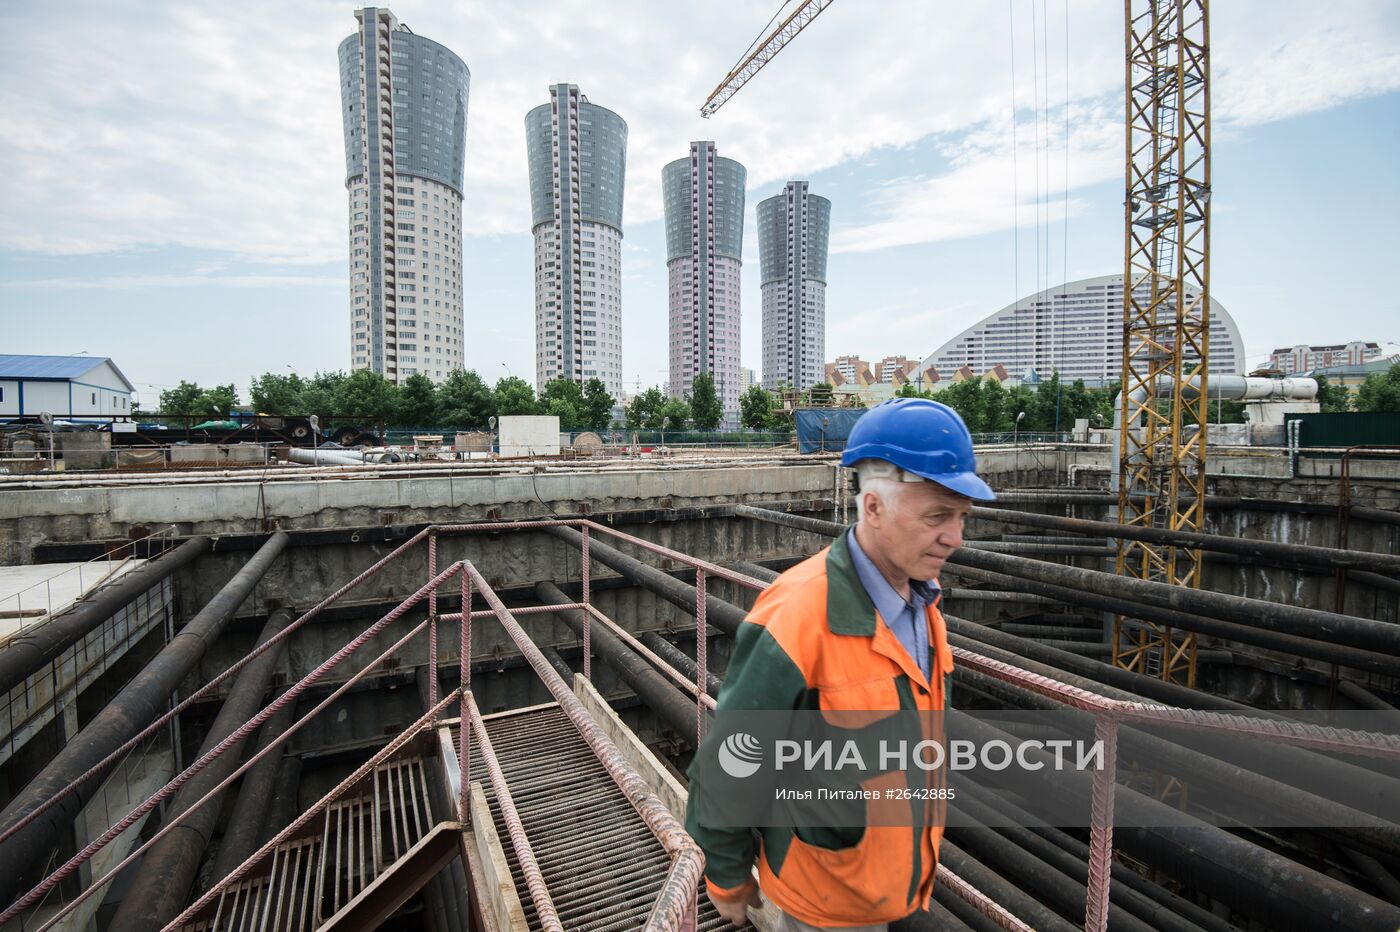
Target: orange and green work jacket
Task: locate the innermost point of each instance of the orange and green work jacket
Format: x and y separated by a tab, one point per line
814	640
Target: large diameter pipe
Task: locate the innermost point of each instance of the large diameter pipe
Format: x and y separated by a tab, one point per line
1217	388
325	457
723	615
249	814
162	886
28	651
1148	901
1244	634
136	706
1312	625
658	692
1270	887
679	659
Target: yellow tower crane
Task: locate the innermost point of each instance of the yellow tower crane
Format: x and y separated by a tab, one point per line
1166	298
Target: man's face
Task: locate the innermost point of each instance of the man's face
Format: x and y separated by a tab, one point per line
920	529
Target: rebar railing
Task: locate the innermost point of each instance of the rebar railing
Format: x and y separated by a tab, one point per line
676	904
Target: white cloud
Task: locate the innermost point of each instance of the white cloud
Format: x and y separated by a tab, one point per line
218	127
199	278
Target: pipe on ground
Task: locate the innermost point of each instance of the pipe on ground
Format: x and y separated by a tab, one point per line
162	885
135	707
723	615
27	652
325	457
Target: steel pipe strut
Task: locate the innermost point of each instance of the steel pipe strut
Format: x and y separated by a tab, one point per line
1244	634
168	869
724	615
679	659
1265	550
660	694
145	697
1312	624
27	652
251	809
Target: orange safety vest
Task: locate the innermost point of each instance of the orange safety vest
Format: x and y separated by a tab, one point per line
815	640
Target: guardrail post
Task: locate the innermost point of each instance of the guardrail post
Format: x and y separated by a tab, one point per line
1101	828
701	657
464	727
587	616
432	623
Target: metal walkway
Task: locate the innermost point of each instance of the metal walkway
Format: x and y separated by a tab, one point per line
309	879
601	863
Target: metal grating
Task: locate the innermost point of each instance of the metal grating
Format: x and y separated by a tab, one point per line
601	863
309	879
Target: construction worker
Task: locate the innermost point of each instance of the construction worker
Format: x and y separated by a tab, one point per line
854	627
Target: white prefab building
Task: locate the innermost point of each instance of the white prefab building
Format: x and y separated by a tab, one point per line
73	388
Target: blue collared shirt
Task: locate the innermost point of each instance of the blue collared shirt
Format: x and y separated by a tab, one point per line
907	620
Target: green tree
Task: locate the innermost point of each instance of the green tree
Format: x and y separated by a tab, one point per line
417	402
1332	398
274	393
320	394
1380	391
995	414
202	404
597	405
1021	398
644	413
755	408
910	390
564	399
1078	403
515	396
706	410
180	399
464	401
965	397
819	395
365	394
674	414
1103	405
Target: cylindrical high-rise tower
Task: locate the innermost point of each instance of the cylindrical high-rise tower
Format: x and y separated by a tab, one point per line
404	107
793	229
704	200
578	160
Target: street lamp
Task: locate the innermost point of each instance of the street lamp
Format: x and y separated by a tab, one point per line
1016	429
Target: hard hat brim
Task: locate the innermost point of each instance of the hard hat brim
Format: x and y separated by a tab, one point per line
964	483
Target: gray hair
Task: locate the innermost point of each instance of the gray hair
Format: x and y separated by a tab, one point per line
878	478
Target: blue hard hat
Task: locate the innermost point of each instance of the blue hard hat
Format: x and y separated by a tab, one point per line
922	437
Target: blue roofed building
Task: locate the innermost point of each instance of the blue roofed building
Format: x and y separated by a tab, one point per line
74	388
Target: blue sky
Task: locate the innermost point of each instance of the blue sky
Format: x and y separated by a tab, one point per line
172	187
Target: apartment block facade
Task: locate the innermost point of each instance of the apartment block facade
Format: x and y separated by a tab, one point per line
404	114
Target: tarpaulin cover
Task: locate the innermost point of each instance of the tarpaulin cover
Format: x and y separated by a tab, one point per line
824	430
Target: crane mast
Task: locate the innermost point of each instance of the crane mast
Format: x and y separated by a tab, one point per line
1166	315
1166	299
